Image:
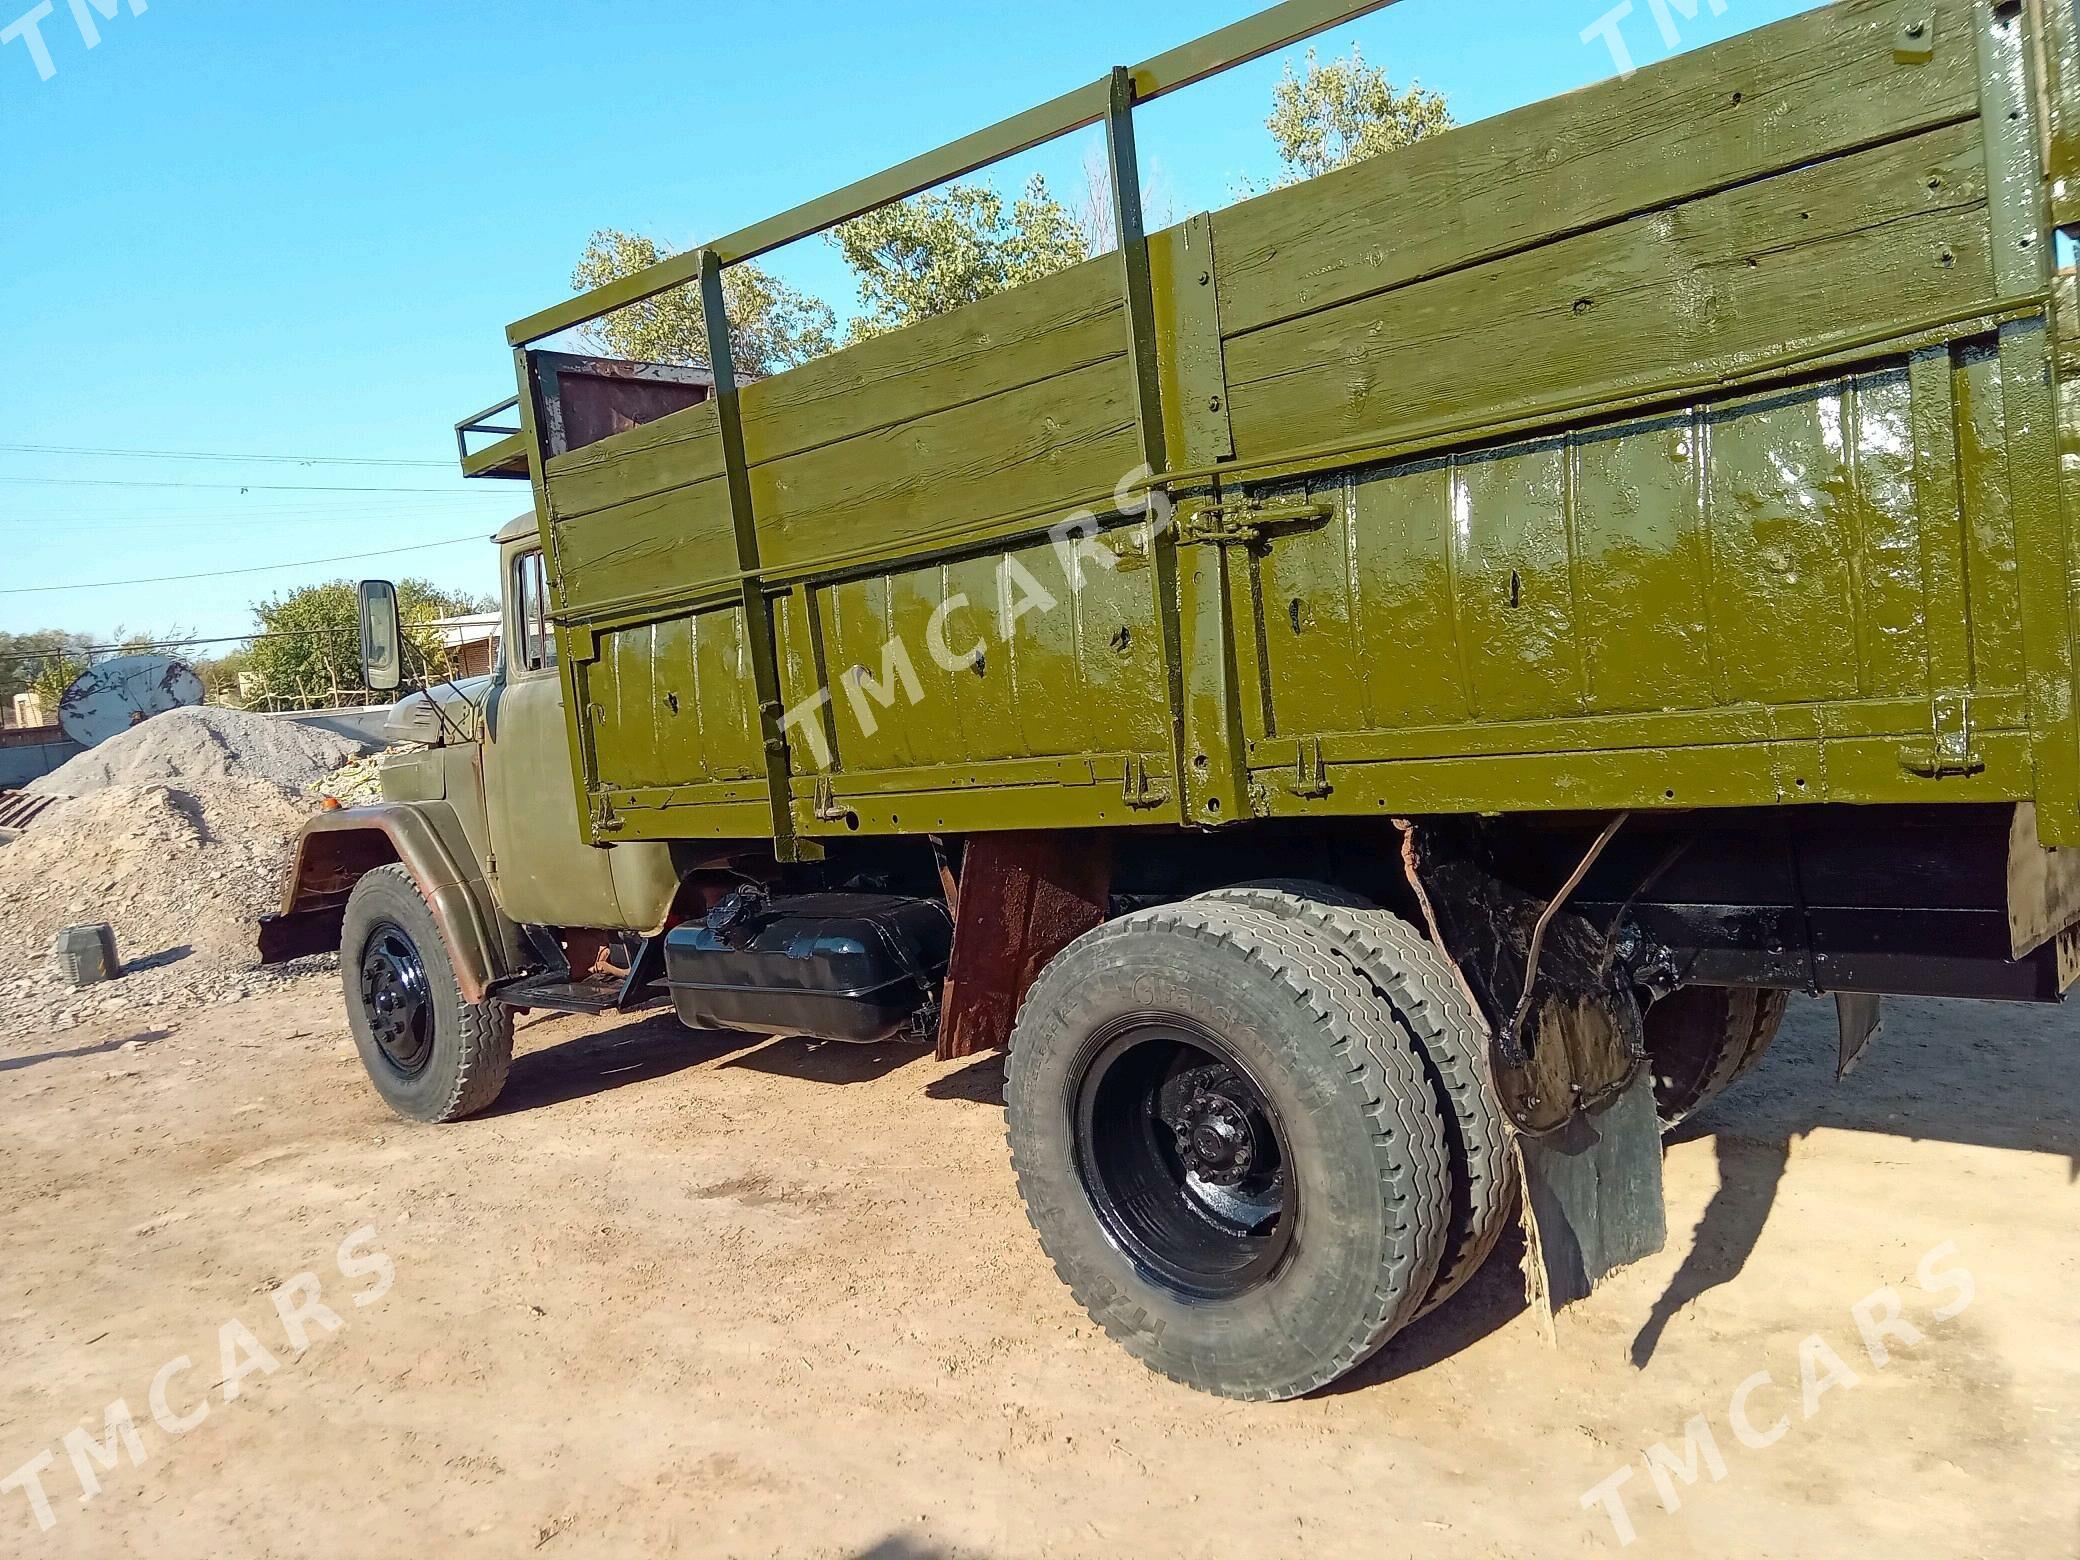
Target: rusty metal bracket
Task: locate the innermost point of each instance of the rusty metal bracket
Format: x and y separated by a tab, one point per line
1243	523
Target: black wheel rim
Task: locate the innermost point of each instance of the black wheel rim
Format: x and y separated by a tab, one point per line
1184	1159
399	1003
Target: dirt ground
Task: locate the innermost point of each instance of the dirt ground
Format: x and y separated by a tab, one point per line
690	1295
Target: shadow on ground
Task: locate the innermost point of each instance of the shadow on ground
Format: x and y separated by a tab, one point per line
1983	1074
148	1037
611	1059
1491	1300
1974	1073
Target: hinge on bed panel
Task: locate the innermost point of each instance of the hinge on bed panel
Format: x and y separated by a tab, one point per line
1140	790
1311	778
1949	752
828	808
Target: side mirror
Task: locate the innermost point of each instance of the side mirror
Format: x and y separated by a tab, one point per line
382	638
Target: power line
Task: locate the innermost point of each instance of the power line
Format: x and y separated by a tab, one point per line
137	647
23	528
214	487
212	455
218	574
207	508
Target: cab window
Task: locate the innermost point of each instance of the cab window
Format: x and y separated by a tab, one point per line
534	649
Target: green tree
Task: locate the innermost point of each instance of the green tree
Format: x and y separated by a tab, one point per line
219	674
54	674
309	646
956	246
34	661
1333	115
771	326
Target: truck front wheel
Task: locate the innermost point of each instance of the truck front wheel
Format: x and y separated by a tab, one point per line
1227	1145
432	1056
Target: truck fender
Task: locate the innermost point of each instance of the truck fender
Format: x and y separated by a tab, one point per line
338	849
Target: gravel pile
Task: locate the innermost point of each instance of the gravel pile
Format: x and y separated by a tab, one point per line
195	748
183	877
177	834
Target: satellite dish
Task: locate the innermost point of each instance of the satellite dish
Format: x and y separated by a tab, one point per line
109	699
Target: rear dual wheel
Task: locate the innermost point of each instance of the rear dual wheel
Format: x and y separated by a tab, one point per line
1703	1040
1414	978
1227	1141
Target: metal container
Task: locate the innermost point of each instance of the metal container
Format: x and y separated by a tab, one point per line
850	967
87	954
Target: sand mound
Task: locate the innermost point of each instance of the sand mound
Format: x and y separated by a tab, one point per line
182	877
196	748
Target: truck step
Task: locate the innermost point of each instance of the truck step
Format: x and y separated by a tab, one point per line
601	994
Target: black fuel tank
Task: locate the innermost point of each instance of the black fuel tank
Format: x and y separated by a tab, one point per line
851	967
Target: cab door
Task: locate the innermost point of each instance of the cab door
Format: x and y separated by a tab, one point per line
545	872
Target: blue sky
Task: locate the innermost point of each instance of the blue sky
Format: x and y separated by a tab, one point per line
259	228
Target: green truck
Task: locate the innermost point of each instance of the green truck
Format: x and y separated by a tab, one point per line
1375	696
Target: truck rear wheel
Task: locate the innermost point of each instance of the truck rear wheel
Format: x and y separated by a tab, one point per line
1408	972
1704	1040
432	1056
1226	1143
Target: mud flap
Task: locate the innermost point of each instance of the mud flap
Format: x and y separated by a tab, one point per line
1569	1061
1592	1198
1861	1018
1023	898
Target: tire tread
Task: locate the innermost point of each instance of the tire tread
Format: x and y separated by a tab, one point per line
1378	1061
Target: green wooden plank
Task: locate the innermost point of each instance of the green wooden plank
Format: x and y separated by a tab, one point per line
1814	86
1010	342
1049	443
674	547
644	462
1777	266
1249	39
506	458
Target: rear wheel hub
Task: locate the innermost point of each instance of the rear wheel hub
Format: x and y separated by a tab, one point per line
1184	1160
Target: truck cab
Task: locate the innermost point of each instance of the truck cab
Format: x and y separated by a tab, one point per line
479	814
